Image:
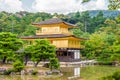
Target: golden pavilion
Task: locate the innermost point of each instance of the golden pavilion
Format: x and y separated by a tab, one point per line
57	32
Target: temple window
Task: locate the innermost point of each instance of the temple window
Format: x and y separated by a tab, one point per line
43	30
56	29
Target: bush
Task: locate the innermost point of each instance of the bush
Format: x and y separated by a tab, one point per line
8	72
18	66
116	75
105	62
54	63
34	72
107	78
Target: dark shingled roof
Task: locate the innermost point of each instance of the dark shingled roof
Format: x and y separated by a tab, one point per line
52	21
48	36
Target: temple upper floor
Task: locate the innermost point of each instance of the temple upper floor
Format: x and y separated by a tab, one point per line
53	26
57	32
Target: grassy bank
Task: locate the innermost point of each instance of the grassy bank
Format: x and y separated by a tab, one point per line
96	72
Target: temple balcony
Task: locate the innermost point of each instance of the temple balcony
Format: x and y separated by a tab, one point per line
39	32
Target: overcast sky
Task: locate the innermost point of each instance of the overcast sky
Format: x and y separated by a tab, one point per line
51	6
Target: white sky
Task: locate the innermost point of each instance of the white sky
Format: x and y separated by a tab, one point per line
11	5
51	6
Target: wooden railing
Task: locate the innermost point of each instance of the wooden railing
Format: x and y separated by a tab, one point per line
39	32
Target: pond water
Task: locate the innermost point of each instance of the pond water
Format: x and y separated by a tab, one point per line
84	73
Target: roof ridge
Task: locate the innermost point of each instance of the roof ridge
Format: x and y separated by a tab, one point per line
54	21
50	21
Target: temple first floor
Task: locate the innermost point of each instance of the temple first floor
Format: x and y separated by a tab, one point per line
68	54
63	54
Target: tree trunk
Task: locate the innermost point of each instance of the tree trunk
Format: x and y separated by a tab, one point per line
4	59
26	59
36	63
51	68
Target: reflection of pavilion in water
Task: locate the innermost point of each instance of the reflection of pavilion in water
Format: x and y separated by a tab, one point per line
71	72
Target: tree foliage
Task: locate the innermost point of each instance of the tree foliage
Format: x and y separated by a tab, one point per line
20	22
9	43
113	4
114	76
54	63
18	66
41	50
97	45
104	45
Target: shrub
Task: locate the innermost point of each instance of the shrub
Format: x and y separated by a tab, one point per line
107	78
116	75
105	63
18	66
34	72
8	72
54	63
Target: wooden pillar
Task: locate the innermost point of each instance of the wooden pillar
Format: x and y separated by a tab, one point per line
67	53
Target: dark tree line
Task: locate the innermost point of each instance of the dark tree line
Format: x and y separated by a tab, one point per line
21	22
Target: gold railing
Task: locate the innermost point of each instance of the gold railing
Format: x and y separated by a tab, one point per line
69	33
39	32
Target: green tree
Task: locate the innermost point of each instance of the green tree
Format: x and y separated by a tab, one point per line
27	54
54	63
85	19
9	43
39	19
104	44
118	18
42	50
113	4
97	22
78	33
98	46
80	25
116	50
113	28
30	30
84	1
